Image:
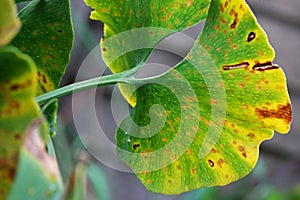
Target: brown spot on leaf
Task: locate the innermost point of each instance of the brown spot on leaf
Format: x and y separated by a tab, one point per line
222	20
136	146
283	112
251	135
17	136
233	25
241	148
220	162
178	167
211	163
213	150
15	87
251	36
18	86
222	8
44	79
193	171
226	4
104	49
244	155
236	19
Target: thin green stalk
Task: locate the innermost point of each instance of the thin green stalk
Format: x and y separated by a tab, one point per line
123	77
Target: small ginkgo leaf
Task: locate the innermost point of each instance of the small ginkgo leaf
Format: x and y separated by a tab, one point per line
201	123
46	36
119	16
9	22
50	112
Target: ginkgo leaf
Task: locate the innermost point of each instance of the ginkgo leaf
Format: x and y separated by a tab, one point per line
47	36
9	22
119	16
17	104
201	123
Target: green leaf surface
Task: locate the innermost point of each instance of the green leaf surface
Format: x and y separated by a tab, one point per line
9	22
119	16
50	113
47	36
201	123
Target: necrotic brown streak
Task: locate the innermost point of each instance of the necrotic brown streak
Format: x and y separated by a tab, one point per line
283	112
265	66
236	66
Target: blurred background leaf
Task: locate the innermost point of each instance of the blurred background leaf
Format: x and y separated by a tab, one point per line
47	36
9	22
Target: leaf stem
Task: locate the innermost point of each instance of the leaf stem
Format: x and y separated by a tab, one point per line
123	77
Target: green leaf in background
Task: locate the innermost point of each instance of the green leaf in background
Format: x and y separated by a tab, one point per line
209	114
119	16
19	115
77	188
50	112
9	22
47	36
17	91
98	181
37	169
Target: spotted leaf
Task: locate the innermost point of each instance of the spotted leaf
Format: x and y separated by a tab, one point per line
17	104
47	37
119	16
201	123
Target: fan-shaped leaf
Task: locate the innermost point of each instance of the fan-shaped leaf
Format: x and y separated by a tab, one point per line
208	115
